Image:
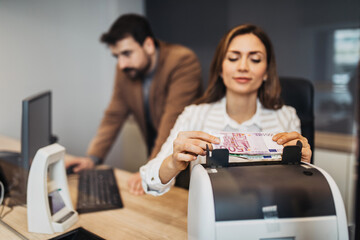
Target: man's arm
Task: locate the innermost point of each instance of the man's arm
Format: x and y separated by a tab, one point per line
111	123
184	88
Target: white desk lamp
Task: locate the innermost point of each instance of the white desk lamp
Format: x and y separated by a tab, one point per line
49	205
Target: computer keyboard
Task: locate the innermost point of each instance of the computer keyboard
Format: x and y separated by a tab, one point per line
98	191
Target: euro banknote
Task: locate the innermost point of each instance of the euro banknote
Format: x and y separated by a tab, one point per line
248	143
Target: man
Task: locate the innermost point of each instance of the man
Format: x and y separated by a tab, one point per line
154	81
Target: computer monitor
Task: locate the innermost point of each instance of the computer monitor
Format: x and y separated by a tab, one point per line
36	133
36	129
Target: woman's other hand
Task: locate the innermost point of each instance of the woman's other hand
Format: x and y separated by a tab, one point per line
291	138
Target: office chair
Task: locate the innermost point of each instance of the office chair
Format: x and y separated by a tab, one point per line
299	93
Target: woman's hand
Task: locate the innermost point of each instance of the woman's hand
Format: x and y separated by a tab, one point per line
291	138
186	147
134	184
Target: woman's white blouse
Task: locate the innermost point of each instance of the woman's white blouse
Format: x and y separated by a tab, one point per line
212	117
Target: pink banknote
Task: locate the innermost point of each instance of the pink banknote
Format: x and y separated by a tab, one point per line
248	143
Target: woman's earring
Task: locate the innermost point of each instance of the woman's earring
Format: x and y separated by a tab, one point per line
264	80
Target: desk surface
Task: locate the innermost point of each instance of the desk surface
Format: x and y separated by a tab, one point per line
143	217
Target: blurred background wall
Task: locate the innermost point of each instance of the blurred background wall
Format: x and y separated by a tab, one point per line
55	45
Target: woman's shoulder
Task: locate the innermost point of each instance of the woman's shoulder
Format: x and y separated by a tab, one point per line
198	112
283	119
202	107
284	109
287	109
194	116
285	113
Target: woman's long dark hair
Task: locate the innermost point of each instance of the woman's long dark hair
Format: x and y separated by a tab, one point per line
269	91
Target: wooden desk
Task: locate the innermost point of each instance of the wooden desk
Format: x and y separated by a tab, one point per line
143	217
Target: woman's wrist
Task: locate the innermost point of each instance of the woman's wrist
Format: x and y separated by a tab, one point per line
167	170
171	164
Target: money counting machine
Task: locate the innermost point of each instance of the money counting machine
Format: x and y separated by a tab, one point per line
284	200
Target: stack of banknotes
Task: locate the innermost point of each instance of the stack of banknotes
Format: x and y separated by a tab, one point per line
249	146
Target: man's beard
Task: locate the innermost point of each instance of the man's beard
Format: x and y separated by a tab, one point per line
134	73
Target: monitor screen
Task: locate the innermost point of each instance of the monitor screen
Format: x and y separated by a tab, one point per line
36	126
35	134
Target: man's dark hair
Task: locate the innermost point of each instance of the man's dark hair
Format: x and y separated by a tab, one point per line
127	25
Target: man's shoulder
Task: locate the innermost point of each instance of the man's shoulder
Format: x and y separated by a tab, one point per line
175	50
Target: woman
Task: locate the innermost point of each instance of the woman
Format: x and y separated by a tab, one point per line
243	96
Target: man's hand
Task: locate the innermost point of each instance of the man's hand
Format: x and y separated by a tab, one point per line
291	138
134	184
80	163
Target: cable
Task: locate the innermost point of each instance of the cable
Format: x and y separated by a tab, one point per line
6	213
13	230
2	192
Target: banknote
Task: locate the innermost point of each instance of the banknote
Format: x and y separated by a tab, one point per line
238	158
258	157
248	143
